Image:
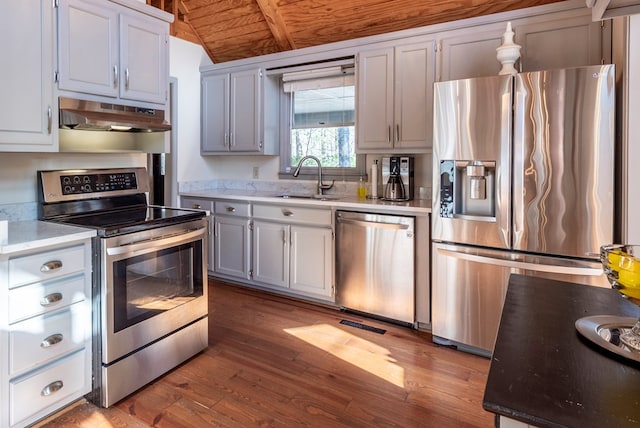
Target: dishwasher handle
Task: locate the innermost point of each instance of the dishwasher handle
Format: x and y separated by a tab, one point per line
375	224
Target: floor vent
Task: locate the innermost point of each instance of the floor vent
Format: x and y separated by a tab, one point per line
363	326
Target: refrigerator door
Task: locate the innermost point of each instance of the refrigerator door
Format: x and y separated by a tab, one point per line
563	161
470	284
472	158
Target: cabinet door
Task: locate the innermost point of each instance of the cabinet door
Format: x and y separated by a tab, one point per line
144	67
215	114
232	240
311	260
245	112
375	99
414	77
563	43
472	55
88	47
27	119
271	253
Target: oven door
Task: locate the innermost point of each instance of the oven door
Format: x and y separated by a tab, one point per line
154	283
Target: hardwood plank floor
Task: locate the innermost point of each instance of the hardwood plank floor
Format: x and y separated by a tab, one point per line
279	362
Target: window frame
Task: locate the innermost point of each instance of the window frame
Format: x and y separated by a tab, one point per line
311	172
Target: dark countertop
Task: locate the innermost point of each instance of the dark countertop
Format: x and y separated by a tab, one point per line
544	373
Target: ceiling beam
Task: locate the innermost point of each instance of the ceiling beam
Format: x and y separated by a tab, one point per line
276	24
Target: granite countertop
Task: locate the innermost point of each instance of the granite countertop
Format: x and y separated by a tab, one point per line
25	235
415	206
544	373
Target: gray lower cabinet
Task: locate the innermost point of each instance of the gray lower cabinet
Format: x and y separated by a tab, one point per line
45	330
293	249
232	239
205	205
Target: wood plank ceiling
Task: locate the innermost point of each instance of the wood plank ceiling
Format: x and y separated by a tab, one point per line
236	29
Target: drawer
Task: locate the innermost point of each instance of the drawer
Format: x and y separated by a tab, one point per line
43	297
42	339
197	204
46	265
234	208
43	389
314	216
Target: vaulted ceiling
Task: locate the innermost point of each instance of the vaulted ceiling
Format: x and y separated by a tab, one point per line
236	29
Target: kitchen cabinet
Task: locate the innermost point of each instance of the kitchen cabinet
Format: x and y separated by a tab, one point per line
394	98
45	327
232	239
293	249
109	50
28	119
205	205
232	112
545	44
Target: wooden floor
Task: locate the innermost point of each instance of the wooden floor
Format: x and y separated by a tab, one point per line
277	362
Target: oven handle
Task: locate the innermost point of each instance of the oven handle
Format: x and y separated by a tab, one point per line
163	242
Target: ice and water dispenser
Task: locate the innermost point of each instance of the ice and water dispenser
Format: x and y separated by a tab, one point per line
467	189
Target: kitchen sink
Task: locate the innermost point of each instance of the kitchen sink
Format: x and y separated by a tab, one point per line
316	197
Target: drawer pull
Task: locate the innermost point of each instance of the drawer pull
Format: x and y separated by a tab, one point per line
50	299
287	213
51	266
231	209
52	388
51	340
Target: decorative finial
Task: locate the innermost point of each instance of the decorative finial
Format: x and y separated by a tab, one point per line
508	53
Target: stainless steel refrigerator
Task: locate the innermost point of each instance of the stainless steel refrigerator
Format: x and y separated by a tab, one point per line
523	183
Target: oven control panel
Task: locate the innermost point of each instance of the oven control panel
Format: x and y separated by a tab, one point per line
69	185
85	183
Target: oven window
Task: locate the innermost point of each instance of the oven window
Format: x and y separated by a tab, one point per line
153	283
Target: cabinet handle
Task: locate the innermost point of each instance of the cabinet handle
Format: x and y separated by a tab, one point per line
51	340
389	134
231	209
126	78
49	120
51	266
53	387
226	139
196	206
50	299
287	213
284	237
115	76
397	132
232	142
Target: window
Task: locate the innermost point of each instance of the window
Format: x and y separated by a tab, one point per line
320	121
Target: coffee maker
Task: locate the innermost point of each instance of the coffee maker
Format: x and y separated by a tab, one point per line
397	178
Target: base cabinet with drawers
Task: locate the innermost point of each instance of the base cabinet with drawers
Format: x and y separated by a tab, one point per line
293	249
45	330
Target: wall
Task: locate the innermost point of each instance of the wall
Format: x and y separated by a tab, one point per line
631	232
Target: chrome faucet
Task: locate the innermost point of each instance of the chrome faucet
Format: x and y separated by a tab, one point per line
321	186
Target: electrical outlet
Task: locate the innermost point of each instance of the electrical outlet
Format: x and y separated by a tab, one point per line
256	172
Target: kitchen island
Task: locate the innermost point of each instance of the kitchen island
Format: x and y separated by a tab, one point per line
544	373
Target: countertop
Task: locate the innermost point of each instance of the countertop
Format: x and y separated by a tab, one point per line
544	373
415	207
25	235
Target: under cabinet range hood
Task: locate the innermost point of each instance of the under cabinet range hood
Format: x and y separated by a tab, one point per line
98	116
99	127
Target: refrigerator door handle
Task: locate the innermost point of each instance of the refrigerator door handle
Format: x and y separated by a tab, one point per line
563	270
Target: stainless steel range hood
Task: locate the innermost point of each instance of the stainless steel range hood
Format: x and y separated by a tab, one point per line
98	116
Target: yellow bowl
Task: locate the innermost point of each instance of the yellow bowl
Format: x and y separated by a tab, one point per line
621	264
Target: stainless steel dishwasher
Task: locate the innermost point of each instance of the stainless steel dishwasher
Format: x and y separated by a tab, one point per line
375	264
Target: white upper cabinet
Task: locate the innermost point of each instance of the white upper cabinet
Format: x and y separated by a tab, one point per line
28	120
395	98
112	51
232	112
470	55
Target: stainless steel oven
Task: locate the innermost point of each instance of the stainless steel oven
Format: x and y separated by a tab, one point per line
150	275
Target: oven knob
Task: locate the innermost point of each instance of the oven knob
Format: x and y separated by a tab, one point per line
66	180
86	188
76	179
67	189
